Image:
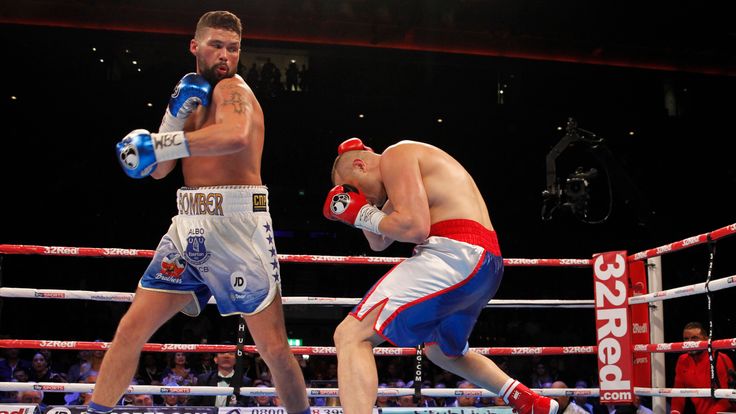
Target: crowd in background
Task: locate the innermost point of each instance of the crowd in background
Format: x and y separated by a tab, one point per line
207	369
268	81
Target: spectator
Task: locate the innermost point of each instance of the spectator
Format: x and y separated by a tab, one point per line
262	400
292	77
267	70
567	405
54	365
321	401
427	401
253	77
21	375
304	83
486	401
143	400
442	401
332	371
540	376
11	363
693	371
424	401
150	372
40	372
81	398
407	401
128	399
205	364
95	360
634	408
220	377
640	408
463	401
178	371
385	401
276	86
302	360
79	369
174	400
32	397
582	401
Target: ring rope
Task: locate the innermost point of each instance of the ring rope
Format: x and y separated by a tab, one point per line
303	258
299	350
271	391
246	391
688	290
686	346
8	292
381	392
685	392
729	343
285	258
685	243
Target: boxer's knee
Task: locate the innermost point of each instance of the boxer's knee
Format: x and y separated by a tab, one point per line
130	332
342	333
435	354
277	354
351	331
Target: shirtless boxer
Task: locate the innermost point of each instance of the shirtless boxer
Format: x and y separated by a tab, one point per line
221	243
419	194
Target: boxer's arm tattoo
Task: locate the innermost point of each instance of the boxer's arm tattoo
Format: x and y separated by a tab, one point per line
237	100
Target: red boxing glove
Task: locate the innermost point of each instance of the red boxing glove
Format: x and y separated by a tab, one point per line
352	144
345	203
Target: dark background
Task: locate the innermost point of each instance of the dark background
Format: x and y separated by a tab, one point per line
672	179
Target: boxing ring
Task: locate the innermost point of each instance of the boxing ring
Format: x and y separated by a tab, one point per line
629	347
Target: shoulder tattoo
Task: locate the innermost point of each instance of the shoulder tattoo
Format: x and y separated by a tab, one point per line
237	100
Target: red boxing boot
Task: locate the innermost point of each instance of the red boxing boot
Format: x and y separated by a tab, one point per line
525	401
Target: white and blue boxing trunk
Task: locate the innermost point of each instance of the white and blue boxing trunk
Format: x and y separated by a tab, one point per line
436	295
221	243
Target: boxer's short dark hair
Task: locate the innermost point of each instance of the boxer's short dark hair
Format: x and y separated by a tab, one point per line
219	19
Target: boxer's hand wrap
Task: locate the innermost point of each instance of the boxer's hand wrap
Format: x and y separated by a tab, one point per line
345	203
140	151
191	91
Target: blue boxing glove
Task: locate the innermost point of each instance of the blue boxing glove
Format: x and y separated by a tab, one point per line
191	91
140	151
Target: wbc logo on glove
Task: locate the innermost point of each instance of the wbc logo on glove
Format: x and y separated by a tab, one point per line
352	209
339	203
129	156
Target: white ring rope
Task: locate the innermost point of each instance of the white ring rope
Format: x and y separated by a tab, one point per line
8	292
246	391
271	391
685	392
382	392
689	290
